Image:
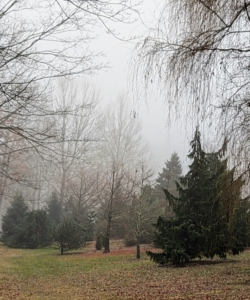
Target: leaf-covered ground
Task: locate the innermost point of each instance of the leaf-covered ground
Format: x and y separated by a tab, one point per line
86	274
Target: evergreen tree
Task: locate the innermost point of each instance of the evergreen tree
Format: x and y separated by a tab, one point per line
14	223
77	210
167	180
170	173
55	209
207	212
22	228
69	235
37	232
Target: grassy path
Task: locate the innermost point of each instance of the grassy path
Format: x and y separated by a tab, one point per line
44	274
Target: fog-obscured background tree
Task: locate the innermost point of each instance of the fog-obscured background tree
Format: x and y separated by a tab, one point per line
81	200
69	235
121	147
167	180
39	42
55	209
75	129
142	209
170	173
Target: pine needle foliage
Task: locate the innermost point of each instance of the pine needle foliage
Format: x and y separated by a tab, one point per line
167	179
210	215
22	228
170	173
69	235
14	223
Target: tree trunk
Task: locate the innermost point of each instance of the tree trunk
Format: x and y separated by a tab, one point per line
3	182
138	248
107	236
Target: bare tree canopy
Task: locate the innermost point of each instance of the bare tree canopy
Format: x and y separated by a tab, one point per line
199	52
48	38
45	39
121	148
39	41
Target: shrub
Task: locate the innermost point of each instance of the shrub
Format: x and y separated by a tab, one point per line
129	240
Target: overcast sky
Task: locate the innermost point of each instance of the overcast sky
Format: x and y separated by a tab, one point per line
153	112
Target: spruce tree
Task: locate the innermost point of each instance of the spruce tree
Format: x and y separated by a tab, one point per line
167	180
55	209
14	223
22	228
170	173
206	217
38	231
69	235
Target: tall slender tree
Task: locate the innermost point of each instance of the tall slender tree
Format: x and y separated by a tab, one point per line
167	180
13	222
170	173
55	209
121	148
143	208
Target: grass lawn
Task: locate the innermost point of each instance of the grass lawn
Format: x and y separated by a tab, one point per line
45	274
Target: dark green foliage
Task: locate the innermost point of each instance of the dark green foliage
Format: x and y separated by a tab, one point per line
69	235
55	209
38	229
76	209
14	223
98	244
24	229
242	222
210	216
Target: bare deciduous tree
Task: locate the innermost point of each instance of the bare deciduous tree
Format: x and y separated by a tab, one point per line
40	40
75	129
121	148
199	54
144	208
81	198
